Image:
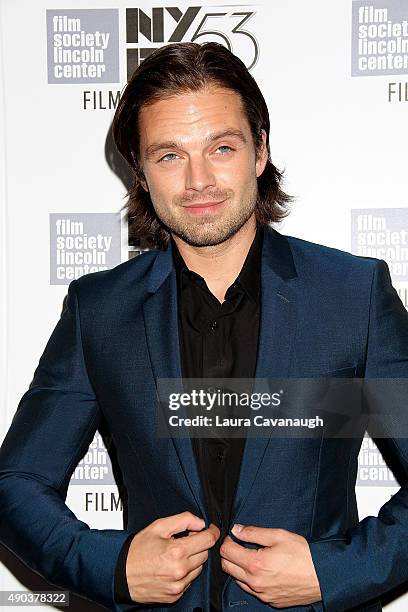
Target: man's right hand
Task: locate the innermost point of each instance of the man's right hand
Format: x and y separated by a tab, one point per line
159	567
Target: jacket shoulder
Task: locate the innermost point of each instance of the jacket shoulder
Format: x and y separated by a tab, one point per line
128	275
322	257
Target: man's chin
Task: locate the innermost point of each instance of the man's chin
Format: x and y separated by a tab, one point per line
210	236
205	239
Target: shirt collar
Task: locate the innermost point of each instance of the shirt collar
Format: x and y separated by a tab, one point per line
249	277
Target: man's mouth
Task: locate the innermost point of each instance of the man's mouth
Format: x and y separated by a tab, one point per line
203	207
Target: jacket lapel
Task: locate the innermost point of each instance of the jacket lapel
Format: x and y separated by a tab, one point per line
161	323
276	333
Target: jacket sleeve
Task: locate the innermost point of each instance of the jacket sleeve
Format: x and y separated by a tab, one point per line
374	557
55	422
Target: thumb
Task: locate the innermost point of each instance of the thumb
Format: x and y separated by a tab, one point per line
176	523
265	536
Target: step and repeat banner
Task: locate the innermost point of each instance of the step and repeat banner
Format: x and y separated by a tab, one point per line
335	77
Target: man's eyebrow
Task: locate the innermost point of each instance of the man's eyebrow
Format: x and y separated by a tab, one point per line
172	144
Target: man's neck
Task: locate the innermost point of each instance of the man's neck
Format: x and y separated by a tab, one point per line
220	264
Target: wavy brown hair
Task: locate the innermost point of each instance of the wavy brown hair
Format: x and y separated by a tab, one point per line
182	68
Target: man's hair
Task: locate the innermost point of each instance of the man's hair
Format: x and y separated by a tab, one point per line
183	68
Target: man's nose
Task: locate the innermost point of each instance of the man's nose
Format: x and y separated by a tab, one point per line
199	174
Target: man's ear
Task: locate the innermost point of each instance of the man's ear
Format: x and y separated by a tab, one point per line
261	155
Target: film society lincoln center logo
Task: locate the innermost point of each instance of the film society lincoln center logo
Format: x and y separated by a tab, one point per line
82	243
379	37
382	233
83	46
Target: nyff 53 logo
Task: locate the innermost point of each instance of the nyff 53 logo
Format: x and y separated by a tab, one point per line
163	25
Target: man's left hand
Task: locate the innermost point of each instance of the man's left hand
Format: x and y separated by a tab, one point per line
281	574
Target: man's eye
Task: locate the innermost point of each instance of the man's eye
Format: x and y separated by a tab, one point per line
164	158
225	147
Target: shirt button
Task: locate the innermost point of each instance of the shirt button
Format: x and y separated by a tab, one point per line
213	325
220	455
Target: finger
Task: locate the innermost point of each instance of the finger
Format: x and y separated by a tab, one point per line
214	529
182	585
244	586
266	536
236	553
200	541
171	525
234	570
196	560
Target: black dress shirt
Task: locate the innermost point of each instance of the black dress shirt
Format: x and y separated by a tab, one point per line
216	341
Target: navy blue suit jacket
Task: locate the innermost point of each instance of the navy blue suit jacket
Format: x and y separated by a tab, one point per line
323	312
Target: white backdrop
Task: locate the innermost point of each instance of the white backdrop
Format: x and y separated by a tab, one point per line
338	129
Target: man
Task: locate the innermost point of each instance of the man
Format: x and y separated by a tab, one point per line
224	295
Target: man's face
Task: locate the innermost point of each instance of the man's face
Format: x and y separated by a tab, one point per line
197	148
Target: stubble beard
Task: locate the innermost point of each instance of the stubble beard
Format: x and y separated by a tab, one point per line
207	230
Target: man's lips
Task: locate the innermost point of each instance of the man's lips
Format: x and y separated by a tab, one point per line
204	208
203	204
